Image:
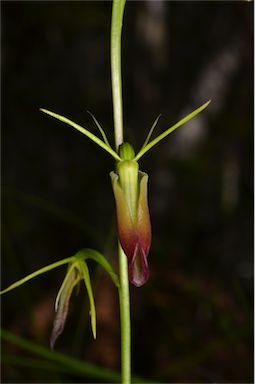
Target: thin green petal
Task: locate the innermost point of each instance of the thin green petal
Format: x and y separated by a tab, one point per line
100	129
169	130
37	273
151	131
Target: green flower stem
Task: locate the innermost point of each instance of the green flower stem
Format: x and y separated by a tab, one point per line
124	318
116	28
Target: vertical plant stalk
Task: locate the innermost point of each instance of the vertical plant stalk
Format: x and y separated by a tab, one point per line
124	318
116	29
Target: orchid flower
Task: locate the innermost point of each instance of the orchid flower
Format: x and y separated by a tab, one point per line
133	219
77	271
130	192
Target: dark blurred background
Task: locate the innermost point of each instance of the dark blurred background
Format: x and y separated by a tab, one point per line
193	320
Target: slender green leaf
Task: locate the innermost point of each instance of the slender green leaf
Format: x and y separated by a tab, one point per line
169	130
31	363
76	366
90	135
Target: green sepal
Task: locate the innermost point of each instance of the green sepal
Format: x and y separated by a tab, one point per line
151	131
85	274
100	129
88	253
87	133
148	146
83	254
37	273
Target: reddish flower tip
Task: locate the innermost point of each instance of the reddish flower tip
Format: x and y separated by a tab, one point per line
138	269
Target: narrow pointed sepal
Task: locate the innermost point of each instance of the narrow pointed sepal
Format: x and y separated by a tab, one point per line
134	228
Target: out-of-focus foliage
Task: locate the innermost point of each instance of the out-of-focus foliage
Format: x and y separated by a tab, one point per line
192	322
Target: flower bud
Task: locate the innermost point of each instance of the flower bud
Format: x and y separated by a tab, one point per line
133	220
